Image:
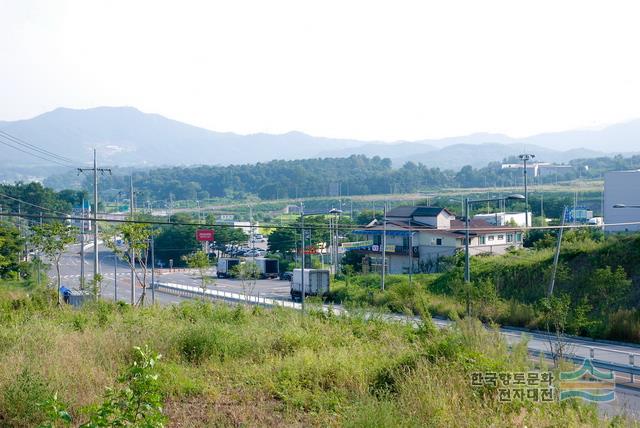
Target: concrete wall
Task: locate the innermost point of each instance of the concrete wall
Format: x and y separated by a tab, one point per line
621	187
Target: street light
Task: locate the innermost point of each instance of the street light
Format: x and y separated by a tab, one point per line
467	202
526	157
334	248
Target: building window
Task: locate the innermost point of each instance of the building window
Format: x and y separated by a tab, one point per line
510	237
500	237
483	240
438	241
518	237
377	239
491	238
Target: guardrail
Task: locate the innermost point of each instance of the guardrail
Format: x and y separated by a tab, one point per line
589	351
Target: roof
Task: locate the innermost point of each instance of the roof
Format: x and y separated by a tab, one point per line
415	211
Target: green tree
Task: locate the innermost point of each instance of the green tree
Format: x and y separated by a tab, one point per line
137	239
52	239
200	260
609	288
283	240
248	273
11	244
139	402
174	242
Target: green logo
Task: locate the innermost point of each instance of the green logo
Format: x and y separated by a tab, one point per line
587	383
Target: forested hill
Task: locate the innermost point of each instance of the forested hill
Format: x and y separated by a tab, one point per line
354	175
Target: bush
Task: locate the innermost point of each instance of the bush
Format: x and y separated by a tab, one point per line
21	399
200	342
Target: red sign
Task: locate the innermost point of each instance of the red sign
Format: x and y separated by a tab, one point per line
311	249
204	234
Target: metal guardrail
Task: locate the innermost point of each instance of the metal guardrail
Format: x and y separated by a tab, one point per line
631	370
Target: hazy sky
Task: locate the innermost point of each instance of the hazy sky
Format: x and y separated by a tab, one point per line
362	69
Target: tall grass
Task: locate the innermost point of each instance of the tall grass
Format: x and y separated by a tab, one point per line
236	366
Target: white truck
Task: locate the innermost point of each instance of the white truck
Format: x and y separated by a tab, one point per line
225	266
316	283
267	268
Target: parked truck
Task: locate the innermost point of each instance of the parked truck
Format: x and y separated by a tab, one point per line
225	266
316	283
268	268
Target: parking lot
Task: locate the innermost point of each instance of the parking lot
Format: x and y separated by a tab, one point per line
266	287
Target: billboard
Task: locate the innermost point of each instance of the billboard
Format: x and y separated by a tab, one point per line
204	234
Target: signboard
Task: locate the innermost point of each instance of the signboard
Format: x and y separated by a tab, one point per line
378	248
204	234
226	217
310	249
357	244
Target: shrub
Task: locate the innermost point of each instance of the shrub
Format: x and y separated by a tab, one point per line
20	399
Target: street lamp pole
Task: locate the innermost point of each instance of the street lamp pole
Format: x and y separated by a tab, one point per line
526	157
467	269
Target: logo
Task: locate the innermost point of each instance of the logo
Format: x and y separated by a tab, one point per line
588	383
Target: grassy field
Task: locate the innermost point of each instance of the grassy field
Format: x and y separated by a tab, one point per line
273	208
237	366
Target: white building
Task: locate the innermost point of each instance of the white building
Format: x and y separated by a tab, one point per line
621	187
505	219
420	236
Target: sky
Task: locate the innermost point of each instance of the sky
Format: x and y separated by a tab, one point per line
374	70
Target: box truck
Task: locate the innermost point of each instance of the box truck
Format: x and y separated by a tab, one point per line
316	283
225	266
268	268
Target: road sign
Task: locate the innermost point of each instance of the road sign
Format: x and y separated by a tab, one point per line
204	234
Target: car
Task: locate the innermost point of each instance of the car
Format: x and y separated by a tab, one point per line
286	276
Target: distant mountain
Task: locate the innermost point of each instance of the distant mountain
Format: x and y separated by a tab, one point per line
128	137
478	155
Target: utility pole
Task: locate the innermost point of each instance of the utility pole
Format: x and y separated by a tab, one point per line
95	169
132	254
302	265
384	243
153	272
115	273
556	256
410	255
82	248
525	157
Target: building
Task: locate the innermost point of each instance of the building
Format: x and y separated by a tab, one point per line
621	187
540	169
417	237
504	219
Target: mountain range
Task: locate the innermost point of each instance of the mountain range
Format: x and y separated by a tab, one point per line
125	136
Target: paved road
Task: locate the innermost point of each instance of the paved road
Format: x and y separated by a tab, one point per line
628	399
70	273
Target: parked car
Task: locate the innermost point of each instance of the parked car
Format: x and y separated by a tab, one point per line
286	276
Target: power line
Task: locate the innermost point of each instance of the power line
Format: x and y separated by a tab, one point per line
318	227
34	147
35	155
33	205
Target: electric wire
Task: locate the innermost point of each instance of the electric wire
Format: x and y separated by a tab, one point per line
320	227
34	147
35	155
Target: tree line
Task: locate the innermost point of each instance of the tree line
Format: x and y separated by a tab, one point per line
353	175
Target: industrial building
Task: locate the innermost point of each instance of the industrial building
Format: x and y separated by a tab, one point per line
622	187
